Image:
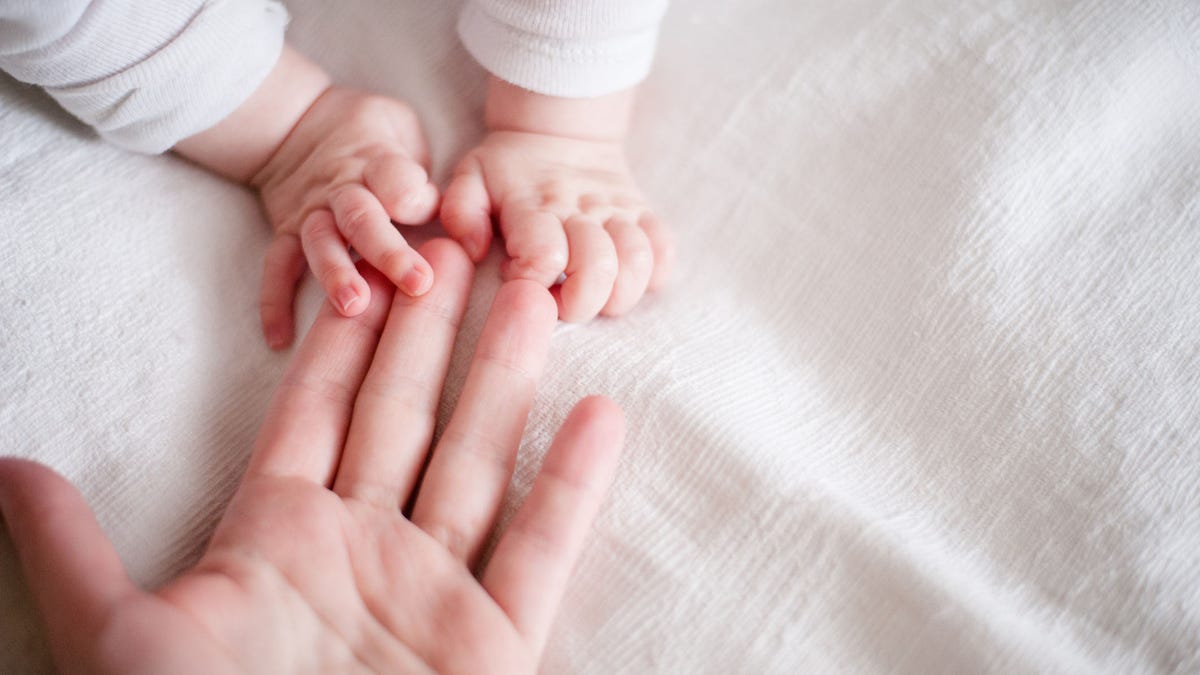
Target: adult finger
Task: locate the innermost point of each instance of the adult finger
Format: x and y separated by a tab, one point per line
536	243
402	187
363	222
467	210
71	568
591	271
283	265
306	423
397	404
471	467
635	264
331	264
532	564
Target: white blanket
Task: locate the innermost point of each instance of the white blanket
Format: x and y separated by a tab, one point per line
925	395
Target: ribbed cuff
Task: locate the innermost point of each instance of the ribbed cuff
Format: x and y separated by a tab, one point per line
189	85
557	67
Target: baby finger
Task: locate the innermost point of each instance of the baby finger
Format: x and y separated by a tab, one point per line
662	242
591	270
403	189
636	262
366	226
331	264
283	265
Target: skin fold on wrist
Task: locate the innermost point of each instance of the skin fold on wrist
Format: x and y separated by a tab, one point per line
240	145
603	118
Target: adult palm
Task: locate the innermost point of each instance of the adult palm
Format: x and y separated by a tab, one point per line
314	566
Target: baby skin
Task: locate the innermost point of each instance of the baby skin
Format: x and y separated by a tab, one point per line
339	169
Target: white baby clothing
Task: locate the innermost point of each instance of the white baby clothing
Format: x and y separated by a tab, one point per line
149	73
570	48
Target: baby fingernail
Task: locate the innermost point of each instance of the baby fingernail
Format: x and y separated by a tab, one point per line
347	298
414	281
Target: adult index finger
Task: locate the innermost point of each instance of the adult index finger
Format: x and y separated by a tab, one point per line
306	424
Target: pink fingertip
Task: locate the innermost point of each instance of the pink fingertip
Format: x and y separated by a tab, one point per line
276	338
348	300
417	280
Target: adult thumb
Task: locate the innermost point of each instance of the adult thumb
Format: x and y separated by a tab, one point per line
73	571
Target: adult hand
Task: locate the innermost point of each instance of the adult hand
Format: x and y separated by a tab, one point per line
314	566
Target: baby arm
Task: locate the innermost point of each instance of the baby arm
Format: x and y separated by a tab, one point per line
552	171
334	168
213	80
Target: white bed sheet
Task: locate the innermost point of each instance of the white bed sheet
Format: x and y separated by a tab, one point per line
923	398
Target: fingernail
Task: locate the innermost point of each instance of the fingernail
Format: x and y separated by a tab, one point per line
347	298
414	281
275	338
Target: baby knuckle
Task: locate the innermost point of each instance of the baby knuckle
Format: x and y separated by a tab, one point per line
394	261
604	268
399	111
591	201
639	258
355	221
545	261
554	192
367	105
331	276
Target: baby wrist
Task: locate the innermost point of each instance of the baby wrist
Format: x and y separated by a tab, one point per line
240	145
603	118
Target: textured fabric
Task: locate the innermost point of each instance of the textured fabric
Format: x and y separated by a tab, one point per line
923	397
570	48
144	74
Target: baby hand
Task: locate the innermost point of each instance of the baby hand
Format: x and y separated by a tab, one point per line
352	166
565	200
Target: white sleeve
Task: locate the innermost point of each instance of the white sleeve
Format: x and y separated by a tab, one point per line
145	73
568	48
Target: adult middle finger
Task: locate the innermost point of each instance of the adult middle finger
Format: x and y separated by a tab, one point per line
395	411
470	470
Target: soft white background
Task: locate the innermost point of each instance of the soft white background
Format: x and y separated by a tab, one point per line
925	395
